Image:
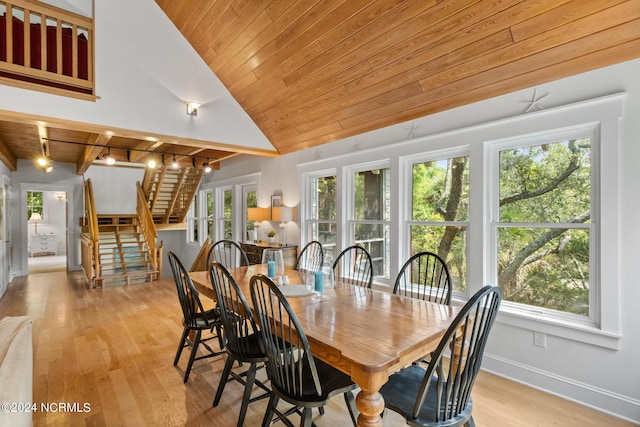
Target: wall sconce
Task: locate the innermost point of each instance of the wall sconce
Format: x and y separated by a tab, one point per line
60	196
35	218
192	108
257	215
283	214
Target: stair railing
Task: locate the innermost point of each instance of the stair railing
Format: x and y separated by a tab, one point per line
148	229
91	259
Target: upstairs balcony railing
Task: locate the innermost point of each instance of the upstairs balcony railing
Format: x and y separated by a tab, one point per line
46	46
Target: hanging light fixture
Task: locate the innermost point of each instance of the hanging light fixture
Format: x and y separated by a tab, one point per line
152	163
174	163
207	168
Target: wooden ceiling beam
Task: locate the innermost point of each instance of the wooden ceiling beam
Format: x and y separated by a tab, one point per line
97	143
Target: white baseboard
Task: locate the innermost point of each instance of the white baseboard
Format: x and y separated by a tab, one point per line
614	404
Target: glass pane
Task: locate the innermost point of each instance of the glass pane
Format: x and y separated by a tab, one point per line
326	234
546	183
324	198
228	229
228	204
251	201
441	190
372	195
546	267
210	213
450	243
375	239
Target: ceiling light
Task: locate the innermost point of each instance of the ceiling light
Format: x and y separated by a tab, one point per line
192	108
207	168
152	163
174	163
110	160
42	161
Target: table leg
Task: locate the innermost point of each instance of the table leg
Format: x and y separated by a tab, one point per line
370	404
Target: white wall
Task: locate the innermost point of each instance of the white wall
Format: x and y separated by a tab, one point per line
600	377
114	188
145	73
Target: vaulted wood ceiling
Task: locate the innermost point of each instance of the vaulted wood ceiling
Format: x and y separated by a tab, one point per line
312	71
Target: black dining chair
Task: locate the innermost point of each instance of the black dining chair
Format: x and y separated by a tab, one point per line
425	276
240	337
427	399
228	253
296	376
311	257
195	320
354	266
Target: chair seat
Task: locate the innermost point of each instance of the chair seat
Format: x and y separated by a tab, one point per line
332	381
251	349
212	317
400	394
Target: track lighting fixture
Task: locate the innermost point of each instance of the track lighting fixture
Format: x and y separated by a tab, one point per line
110	160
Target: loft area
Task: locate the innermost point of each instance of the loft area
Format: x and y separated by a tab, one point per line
54	50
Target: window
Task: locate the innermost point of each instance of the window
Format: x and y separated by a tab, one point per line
209	215
370	216
321	222
192	222
250	198
227	214
35	203
440	212
544	227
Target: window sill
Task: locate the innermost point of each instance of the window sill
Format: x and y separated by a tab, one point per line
588	334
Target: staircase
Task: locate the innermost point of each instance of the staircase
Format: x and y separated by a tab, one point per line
169	193
122	254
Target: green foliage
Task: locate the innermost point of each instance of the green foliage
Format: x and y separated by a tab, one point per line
546	184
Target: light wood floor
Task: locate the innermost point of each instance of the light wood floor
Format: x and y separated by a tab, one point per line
113	349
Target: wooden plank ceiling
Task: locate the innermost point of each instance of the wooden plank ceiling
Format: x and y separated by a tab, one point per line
312	71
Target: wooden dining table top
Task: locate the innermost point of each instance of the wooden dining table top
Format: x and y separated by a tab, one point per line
368	334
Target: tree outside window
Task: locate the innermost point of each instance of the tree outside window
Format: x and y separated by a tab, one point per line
371	216
35	203
227	220
440	213
322	221
545	231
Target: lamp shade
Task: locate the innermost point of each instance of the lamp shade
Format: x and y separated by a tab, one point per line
258	214
283	214
35	217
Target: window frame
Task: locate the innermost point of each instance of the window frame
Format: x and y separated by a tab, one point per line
550	136
602	114
309	221
407	208
348	232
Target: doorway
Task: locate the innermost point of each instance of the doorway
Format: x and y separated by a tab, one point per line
47	230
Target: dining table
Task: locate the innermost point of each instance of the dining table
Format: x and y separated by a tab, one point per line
366	333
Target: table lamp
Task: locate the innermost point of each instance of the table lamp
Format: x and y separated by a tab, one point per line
257	215
283	214
35	218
